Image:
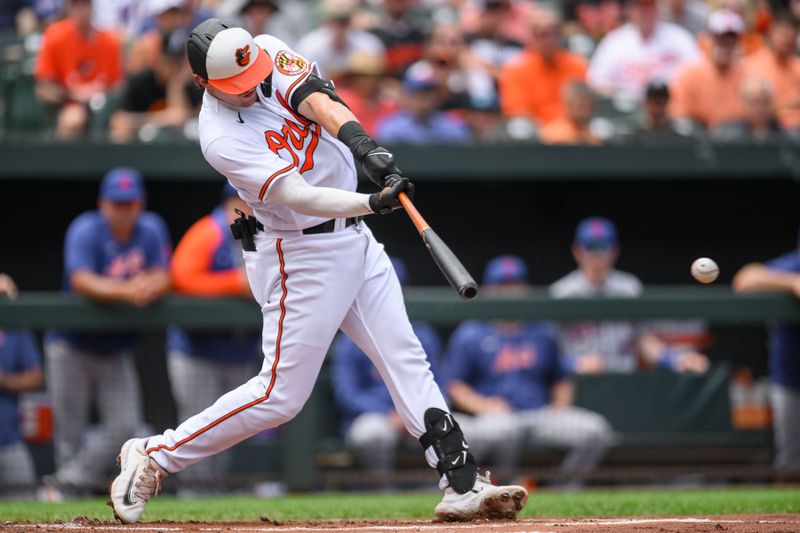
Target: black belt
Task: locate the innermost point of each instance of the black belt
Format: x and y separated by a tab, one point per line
330	225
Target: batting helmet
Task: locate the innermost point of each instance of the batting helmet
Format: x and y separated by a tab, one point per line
227	56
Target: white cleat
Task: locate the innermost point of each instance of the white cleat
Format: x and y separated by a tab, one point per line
483	501
139	478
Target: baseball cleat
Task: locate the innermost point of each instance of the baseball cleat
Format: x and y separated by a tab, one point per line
483	501
139	478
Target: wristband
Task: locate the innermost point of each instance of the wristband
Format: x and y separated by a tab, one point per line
352	134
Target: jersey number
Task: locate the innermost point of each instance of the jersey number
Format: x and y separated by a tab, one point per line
292	138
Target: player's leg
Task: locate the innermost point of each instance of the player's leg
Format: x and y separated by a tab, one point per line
69	386
304	294
586	434
120	409
378	324
494	438
374	440
786	426
17	474
195	386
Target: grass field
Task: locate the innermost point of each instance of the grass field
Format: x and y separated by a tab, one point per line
642	502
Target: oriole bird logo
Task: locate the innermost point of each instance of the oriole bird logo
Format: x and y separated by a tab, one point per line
243	56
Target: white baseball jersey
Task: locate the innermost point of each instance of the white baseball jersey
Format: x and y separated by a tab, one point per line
256	146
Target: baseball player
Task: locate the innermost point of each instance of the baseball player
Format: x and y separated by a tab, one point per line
286	142
117	253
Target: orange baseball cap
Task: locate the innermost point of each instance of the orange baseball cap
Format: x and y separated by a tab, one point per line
227	57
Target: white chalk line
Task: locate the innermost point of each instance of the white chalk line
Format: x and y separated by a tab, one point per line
587	522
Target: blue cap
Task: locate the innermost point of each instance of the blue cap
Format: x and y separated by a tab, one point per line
505	269
122	184
596	233
419	77
400	269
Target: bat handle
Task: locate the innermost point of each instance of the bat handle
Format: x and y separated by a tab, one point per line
415	216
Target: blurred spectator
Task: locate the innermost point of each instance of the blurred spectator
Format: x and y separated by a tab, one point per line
370	425
203	365
586	22
401	35
118	253
77	65
692	15
486	123
513	21
460	79
333	44
643	49
147	49
756	18
162	97
506	376
420	121
9	10
20	371
288	20
652	125
707	91
611	346
362	88
532	84
573	126
760	122
779	65
781	275
488	43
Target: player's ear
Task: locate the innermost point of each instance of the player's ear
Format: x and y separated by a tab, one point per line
200	81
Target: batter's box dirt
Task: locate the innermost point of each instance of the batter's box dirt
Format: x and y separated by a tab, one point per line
786	523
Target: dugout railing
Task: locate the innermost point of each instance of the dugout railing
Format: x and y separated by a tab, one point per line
670	425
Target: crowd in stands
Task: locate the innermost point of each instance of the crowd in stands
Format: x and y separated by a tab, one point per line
449	71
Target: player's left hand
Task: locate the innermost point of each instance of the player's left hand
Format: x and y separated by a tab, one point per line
387	199
378	165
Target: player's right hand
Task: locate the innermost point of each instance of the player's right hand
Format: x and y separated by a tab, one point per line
387	199
378	165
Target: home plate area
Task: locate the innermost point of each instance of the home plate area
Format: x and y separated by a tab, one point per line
786	523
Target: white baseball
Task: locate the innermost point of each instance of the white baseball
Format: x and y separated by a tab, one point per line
705	270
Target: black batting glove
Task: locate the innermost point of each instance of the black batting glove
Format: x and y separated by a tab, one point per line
387	200
378	165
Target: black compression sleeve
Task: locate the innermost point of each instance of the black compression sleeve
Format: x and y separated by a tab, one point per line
314	84
354	137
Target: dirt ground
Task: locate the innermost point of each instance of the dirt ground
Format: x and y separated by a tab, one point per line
786	523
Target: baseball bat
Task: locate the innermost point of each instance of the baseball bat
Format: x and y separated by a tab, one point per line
454	272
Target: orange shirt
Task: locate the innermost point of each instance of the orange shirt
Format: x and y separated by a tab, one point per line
703	93
531	87
190	268
785	81
69	58
562	131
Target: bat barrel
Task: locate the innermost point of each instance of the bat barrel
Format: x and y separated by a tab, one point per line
452	269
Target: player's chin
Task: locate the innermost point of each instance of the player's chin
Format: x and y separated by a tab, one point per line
247	98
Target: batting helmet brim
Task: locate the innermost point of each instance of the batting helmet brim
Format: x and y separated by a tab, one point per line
247	79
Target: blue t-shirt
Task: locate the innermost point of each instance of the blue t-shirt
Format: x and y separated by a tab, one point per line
784	344
18	353
520	366
402	127
357	386
233	348
90	246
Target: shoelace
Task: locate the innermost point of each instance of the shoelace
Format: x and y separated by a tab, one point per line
486	478
149	482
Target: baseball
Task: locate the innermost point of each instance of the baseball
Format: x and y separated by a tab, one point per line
705	270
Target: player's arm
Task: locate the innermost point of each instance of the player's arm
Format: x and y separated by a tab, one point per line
317	101
467	399
99	287
562	394
757	277
27	380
